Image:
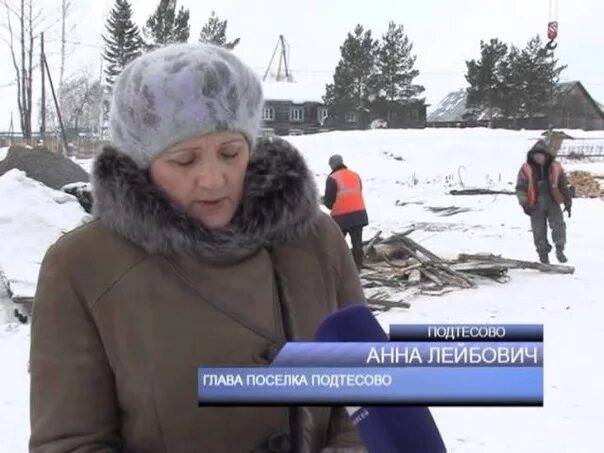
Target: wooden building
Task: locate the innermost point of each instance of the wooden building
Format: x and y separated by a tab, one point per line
403	116
576	109
572	107
292	108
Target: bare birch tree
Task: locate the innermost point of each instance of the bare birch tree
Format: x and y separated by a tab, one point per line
19	35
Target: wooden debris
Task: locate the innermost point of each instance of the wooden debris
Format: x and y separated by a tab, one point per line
385	252
436	261
381	300
372	241
447	211
434	278
424	250
415	276
25	302
382	281
399	262
401	204
481	192
397	236
436	292
515	264
586	184
488	270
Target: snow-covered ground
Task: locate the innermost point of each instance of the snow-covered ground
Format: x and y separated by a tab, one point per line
32	217
416	168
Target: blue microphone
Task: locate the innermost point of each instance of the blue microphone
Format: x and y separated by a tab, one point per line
383	429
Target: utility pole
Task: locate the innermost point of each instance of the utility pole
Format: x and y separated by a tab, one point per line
43	108
54	96
101	103
283	61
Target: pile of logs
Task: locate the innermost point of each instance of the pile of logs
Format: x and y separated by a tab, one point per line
586	184
398	263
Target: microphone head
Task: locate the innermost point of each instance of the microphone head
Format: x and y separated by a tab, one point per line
355	323
383	429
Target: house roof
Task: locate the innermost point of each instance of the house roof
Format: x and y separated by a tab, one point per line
453	107
296	92
565	88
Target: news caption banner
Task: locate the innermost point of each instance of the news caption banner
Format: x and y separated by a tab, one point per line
431	365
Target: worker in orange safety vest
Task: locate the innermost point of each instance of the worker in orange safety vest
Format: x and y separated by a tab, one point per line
541	189
344	197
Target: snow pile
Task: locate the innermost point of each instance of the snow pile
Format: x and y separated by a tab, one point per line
32	217
52	169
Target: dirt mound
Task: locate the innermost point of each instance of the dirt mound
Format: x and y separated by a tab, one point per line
586	184
51	169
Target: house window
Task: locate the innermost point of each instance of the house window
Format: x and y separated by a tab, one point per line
351	117
268	114
322	114
413	115
296	114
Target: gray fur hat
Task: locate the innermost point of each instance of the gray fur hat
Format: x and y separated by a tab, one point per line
179	92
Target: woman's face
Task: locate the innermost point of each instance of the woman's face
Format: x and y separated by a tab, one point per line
204	176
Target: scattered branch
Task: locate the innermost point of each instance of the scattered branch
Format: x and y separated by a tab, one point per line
399	262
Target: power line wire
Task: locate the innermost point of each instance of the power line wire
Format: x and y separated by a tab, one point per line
79	43
298	70
293	70
326	71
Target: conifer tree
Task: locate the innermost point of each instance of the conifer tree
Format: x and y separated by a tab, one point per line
122	39
393	82
214	32
166	26
352	87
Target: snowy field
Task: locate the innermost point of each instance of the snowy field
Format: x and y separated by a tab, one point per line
404	172
32	216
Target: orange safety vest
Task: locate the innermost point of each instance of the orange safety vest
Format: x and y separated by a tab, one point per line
349	197
555	171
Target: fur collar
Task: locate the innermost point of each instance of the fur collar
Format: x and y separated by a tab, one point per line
280	204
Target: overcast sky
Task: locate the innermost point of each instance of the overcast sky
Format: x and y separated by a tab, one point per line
445	34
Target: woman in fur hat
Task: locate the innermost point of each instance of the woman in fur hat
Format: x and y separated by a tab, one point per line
208	248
